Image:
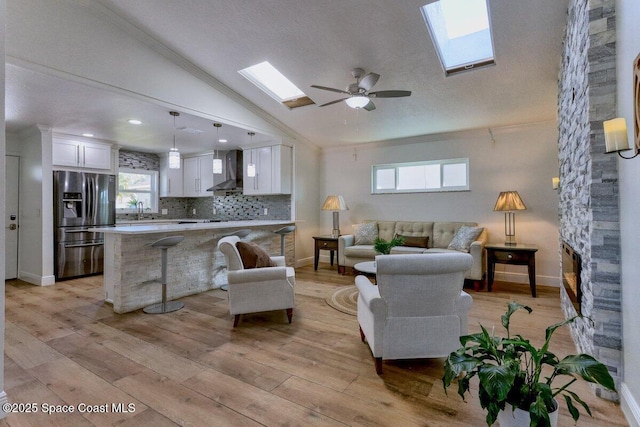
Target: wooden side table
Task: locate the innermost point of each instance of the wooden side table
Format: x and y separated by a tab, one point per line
324	242
519	254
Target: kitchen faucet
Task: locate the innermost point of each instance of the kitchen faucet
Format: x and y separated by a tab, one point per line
140	210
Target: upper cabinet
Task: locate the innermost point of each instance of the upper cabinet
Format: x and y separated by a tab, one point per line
81	154
273	170
198	176
170	179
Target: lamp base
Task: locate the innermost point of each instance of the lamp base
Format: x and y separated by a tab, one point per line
335	233
510	240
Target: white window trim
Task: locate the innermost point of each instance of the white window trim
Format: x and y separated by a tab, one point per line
155	190
441	189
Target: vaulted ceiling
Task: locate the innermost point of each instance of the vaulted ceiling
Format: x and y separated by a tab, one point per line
318	42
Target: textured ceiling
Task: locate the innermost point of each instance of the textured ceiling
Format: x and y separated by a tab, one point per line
319	42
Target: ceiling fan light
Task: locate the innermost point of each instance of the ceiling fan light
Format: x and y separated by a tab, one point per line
357	101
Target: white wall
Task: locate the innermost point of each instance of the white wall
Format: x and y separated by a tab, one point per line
628	47
522	158
3	395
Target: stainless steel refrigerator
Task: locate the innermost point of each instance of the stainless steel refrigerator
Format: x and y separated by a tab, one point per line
81	201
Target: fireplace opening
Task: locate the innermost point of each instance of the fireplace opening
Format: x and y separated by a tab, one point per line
571	270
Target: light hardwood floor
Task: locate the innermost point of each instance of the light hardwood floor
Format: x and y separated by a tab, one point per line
65	346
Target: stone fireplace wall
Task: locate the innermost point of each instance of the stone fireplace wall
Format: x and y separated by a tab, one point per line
589	218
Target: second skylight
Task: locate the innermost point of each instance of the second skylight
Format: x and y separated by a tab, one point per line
461	32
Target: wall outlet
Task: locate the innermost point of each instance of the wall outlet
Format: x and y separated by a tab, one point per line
266	211
165	211
194	211
215	211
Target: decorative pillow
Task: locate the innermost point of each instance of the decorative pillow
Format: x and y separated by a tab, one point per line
415	241
365	234
464	237
253	256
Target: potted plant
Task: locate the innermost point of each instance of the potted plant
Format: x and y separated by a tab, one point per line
384	247
509	370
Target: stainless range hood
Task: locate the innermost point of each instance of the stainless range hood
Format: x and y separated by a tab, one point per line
233	167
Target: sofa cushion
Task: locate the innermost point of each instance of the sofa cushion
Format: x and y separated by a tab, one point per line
386	230
365	234
415	241
360	251
464	237
253	256
407	250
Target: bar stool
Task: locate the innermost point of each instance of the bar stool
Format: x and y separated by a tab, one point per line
283	232
164	306
244	232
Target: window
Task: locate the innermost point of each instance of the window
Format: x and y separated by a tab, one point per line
135	185
461	33
275	84
417	177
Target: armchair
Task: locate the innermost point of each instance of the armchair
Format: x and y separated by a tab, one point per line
256	289
418	308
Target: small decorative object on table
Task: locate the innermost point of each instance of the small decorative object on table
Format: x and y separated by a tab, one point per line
384	247
510	369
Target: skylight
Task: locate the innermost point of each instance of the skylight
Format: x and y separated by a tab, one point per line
274	83
461	32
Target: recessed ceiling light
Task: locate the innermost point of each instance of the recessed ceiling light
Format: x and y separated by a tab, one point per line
222	140
134	122
88	135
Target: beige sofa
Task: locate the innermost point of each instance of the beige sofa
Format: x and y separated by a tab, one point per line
440	235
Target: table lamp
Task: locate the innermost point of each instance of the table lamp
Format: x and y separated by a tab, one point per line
509	201
335	204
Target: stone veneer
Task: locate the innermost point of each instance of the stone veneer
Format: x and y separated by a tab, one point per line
228	207
589	218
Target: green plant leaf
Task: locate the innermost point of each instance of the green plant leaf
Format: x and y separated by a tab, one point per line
497	380
572	409
539	414
588	368
512	308
580	401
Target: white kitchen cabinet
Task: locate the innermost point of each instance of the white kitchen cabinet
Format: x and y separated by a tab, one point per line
82	154
170	179
197	176
273	170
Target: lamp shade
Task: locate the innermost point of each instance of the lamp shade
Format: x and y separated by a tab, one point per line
509	201
615	135
357	101
334	203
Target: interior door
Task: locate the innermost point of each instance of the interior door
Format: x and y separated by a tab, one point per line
11	217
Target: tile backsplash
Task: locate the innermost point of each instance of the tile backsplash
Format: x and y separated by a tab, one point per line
229	207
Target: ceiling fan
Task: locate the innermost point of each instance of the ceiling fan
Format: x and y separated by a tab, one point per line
359	95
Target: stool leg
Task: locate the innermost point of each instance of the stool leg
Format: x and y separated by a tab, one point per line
164	306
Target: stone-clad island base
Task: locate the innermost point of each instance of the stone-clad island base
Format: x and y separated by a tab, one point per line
132	268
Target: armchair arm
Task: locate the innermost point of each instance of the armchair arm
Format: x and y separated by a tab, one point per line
476	249
257	275
371	297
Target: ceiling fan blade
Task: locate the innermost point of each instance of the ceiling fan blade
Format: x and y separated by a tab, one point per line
370	106
368	81
331	89
332	102
390	93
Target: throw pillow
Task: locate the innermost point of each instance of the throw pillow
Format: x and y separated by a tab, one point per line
365	234
415	241
464	237
253	256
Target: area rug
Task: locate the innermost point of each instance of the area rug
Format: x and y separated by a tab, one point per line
344	299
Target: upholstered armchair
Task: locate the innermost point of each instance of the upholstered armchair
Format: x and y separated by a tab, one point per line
253	290
418	308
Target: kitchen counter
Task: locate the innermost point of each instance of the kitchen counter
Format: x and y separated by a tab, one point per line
132	268
137	228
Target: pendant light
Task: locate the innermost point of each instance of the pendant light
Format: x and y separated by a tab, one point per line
217	162
174	154
251	167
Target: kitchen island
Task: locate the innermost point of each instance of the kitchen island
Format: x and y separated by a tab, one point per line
132	268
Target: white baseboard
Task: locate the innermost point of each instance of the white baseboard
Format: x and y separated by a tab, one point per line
629	406
524	279
305	261
36	279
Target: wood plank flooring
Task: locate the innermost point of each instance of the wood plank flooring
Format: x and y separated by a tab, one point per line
65	346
